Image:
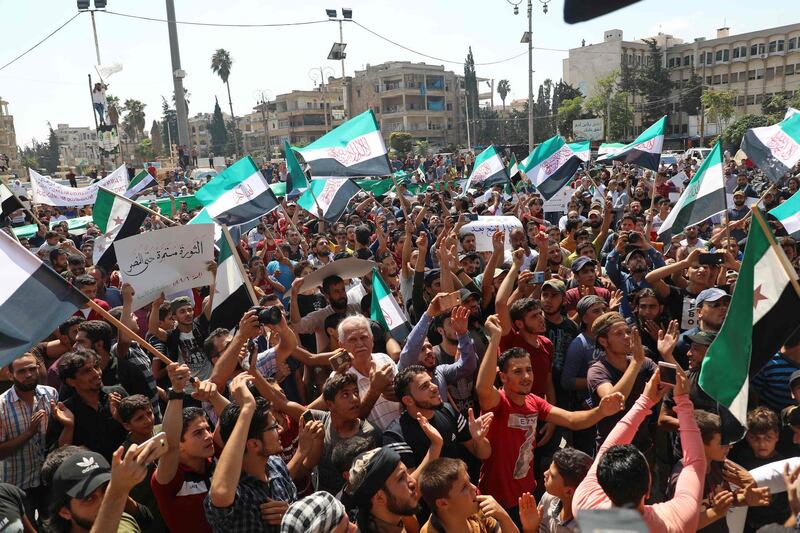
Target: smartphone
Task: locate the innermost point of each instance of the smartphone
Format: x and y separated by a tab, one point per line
711	259
536	279
338	360
669	373
450	301
162	448
307	417
472	217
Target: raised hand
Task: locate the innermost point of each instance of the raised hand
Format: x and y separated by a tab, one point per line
179	376
249	326
431	432
36	421
654	390
637	350
240	393
518	257
381	377
479	427
668	339
297	284
493	326
529	514
498	242
204	391
62	414
422	242
460	319
616	299
612	403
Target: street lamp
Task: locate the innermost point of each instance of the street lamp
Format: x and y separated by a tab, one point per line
527	37
337	50
263	97
317	75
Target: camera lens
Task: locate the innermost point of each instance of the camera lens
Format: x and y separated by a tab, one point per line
270	315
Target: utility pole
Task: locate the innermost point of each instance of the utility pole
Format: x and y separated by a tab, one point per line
177	76
466	106
531	142
96	43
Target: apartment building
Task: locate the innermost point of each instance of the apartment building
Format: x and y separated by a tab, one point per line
423	100
77	146
755	64
8	137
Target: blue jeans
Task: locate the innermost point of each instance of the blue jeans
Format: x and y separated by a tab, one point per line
100	112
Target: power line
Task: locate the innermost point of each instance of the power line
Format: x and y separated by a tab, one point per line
23	54
216	24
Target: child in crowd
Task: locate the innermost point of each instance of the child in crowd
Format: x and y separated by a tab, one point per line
566	472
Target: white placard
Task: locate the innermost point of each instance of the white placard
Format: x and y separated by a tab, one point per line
588	129
484	228
558	203
168	260
678	179
46	191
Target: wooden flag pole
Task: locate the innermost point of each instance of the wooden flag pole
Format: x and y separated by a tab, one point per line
778	250
402	202
291	222
235	252
122	327
167	220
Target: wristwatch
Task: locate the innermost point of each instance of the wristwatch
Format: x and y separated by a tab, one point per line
172	394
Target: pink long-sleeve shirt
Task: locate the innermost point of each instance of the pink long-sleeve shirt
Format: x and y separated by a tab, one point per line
682	512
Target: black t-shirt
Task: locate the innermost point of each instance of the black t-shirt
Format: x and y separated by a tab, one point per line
412	444
681	307
562	335
12	508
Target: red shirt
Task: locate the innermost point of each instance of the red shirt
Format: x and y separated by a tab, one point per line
181	500
508	472
93	315
541	358
573	295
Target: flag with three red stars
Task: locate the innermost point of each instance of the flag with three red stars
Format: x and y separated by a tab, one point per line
117	217
761	316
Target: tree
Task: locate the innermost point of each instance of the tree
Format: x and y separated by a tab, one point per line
568	111
169	126
113	109
488	128
542	115
733	134
186	96
51	158
400	141
719	106
221	63
503	88
422	148
144	150
654	84
156	140
471	86
235	139
611	104
134	118
217	130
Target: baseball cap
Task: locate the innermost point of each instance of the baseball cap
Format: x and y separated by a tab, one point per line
81	474
581	262
555	284
431	275
710	295
465	294
738	193
179	302
794	377
702	337
466	255
635	251
499	272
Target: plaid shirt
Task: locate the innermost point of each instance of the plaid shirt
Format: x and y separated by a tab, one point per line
22	468
244	516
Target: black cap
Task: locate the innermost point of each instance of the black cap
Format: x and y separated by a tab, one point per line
581	262
465	294
431	276
81	474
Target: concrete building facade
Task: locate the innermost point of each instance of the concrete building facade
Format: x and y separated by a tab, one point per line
77	146
8	136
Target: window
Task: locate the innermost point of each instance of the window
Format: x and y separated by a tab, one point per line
772	46
718	57
688	60
792	43
358	93
751	74
702	58
759	98
771	73
671	62
750	100
790	70
716	80
757	49
740	101
724	78
708	80
709	58
780	45
759	73
740	52
779	71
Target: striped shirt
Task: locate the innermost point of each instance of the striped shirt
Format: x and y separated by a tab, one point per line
23	467
772	382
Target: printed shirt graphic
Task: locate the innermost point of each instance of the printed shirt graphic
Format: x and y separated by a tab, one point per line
509	471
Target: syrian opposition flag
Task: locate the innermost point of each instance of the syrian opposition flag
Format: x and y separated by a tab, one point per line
582	149
386	311
761	316
8	202
488	169
644	151
238	195
329	194
117	217
355	148
231	296
774	149
703	198
513	166
788	214
296	181
140	182
609	149
34	300
551	166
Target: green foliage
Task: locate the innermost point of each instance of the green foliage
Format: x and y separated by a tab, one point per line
569	110
144	150
654	84
692	94
169	126
113	109
218	131
471	85
156	139
733	134
50	161
234	139
719	106
543	124
609	98
134	120
221	63
503	88
401	142
777	105
422	148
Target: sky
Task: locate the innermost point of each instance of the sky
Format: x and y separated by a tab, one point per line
50	83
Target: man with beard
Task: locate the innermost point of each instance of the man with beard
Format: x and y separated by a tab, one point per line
509	472
471	263
691	241
24	409
333	288
648	316
738	212
418	350
626	224
638	261
712	307
420	397
584	270
519	241
320	252
384	491
560	330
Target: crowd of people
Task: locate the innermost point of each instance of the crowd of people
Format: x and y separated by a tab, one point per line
528	390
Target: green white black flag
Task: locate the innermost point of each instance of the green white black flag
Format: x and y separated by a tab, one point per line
386	311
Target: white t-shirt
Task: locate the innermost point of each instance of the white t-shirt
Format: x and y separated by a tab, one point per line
384	411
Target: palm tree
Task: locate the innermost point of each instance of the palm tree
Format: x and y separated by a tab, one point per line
113	109
503	88
134	118
221	63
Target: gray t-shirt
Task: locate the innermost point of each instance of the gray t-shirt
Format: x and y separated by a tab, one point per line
330	479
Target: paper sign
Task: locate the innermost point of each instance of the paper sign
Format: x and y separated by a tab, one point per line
484	228
49	192
168	260
348	268
678	179
558	203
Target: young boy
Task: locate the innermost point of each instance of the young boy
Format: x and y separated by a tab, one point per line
763	431
455	503
136	414
566	472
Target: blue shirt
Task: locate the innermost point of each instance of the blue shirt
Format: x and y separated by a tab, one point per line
285	277
772	382
625	282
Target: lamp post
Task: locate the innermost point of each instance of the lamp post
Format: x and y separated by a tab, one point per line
263	97
320	71
337	50
527	38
